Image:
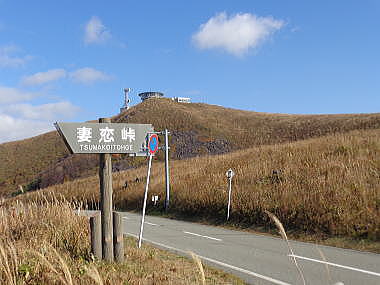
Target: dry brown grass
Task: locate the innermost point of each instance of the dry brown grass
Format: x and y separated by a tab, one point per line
47	243
24	160
243	128
328	187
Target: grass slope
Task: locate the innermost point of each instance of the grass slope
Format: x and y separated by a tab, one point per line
197	129
326	187
21	161
242	129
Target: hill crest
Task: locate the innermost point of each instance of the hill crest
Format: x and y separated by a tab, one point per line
196	129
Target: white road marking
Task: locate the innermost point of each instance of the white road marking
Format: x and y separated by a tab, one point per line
198	235
270	279
126	218
336	265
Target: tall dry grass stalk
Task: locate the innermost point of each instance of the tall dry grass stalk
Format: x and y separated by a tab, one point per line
326	265
198	262
93	273
54	262
8	263
282	232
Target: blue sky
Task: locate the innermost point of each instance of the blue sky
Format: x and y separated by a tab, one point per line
70	60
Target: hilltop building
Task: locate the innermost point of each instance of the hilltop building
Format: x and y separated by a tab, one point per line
181	99
147	95
153	94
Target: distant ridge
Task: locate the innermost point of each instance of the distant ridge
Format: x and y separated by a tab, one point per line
197	129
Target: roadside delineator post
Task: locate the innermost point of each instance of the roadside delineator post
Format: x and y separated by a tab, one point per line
167	184
155	199
230	173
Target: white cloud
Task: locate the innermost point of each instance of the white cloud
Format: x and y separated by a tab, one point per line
44	77
12	128
83	75
236	34
88	75
20	120
12	95
9	57
50	111
95	31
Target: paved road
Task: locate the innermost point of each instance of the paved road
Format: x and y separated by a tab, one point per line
258	259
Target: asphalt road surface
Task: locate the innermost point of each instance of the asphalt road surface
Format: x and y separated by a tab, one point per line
258	259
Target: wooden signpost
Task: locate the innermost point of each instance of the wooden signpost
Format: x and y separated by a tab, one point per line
105	138
105	180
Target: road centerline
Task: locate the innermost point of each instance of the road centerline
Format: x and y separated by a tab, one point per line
262	255
198	235
336	265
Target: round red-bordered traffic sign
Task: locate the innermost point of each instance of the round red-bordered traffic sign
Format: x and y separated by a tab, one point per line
153	143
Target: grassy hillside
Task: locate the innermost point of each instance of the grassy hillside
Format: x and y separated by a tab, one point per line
21	161
197	129
241	129
324	187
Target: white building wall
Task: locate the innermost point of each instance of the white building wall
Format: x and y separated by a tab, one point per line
181	99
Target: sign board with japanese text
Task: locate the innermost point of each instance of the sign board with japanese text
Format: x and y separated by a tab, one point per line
105	137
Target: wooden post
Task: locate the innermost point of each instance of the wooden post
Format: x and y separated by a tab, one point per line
118	238
96	236
105	177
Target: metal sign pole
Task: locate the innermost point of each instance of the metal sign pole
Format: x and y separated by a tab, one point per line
145	198
167	170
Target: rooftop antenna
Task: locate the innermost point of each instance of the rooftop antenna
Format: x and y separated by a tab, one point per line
126	98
